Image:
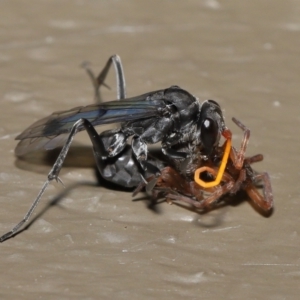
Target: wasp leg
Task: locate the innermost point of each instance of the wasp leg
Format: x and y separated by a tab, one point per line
53	174
168	142
173	153
147	184
111	142
238	157
115	160
140	149
264	202
99	80
99	152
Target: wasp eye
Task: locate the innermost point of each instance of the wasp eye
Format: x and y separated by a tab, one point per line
209	134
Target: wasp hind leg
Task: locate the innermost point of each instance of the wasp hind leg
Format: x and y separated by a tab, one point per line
53	174
99	152
100	79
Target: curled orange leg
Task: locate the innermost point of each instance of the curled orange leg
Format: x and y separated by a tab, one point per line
220	172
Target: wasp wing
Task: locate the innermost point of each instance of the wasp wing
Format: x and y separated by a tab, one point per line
52	131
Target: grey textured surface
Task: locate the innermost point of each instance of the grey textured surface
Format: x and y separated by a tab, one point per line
98	243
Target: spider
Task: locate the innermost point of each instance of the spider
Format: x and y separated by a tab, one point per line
177	185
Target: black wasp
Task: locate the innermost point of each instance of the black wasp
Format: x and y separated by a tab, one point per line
172	117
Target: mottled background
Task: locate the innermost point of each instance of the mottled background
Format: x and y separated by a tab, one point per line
97	243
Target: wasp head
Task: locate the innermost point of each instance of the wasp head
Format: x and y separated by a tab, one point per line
211	125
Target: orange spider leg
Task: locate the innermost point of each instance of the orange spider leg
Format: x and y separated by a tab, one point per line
238	157
220	172
265	201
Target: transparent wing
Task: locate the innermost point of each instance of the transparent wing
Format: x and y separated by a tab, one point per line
52	131
33	144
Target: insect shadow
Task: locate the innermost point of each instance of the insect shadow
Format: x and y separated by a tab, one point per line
40	159
79	156
55	202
